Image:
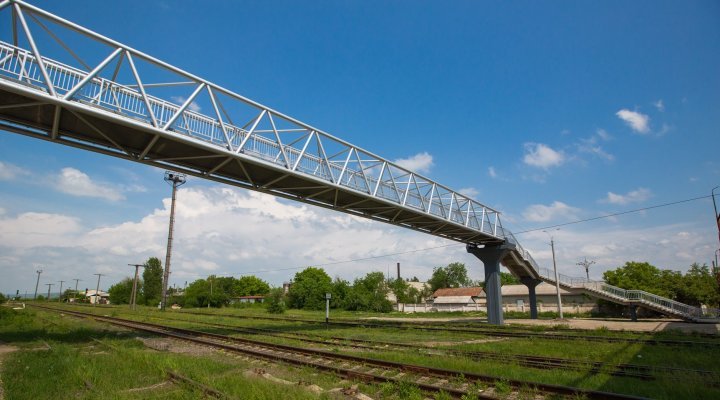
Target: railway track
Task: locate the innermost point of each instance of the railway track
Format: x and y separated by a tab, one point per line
485	331
433	380
626	370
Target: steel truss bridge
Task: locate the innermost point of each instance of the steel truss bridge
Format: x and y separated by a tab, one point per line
120	102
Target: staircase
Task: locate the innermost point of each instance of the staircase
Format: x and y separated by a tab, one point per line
521	264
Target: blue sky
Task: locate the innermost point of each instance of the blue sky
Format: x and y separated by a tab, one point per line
548	111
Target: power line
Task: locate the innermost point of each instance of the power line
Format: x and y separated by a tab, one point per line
462	244
614	214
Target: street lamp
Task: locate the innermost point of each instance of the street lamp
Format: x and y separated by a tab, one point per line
557	279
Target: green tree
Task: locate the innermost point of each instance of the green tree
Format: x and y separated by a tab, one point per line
198	294
639	276
308	289
275	301
507	278
369	294
452	276
120	292
152	281
2	298
699	287
250	286
340	289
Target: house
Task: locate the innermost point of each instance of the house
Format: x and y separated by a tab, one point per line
247	299
99	298
419	286
457	299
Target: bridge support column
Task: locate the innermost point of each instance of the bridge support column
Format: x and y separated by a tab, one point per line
531	283
633	312
490	256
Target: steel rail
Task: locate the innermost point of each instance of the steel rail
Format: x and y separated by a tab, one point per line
201	338
638	371
486	331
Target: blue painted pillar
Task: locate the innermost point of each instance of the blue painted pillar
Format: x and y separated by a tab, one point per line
531	283
490	255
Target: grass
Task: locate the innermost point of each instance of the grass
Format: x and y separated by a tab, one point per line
135	366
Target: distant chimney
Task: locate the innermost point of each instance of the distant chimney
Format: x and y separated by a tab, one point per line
398	268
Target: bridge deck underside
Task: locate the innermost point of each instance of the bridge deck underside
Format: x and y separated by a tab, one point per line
100	131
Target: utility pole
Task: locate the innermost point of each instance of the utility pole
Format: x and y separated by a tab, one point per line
717	216
210	297
557	279
49	285
586	264
76	288
60	297
175	180
97	290
133	296
37	283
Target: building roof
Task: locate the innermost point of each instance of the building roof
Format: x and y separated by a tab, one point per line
419	286
465	291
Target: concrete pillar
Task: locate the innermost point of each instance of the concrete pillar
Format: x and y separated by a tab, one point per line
531	283
490	255
633	312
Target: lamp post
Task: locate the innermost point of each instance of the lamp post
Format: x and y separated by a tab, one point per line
557	279
37	283
175	180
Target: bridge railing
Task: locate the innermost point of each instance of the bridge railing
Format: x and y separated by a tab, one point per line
21	65
630	296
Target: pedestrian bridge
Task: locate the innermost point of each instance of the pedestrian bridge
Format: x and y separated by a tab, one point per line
112	99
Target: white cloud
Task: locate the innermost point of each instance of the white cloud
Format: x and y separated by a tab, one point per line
591	146
635	196
30	229
492	173
420	162
181	100
638	122
542	156
9	171
470	192
555	211
602	134
612	246
659	105
78	183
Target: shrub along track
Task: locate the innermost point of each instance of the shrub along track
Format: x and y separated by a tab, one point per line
637	371
429	379
497	332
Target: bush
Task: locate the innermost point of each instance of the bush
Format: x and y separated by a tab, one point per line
2	298
275	301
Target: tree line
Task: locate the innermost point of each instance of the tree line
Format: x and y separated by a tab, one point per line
698	286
